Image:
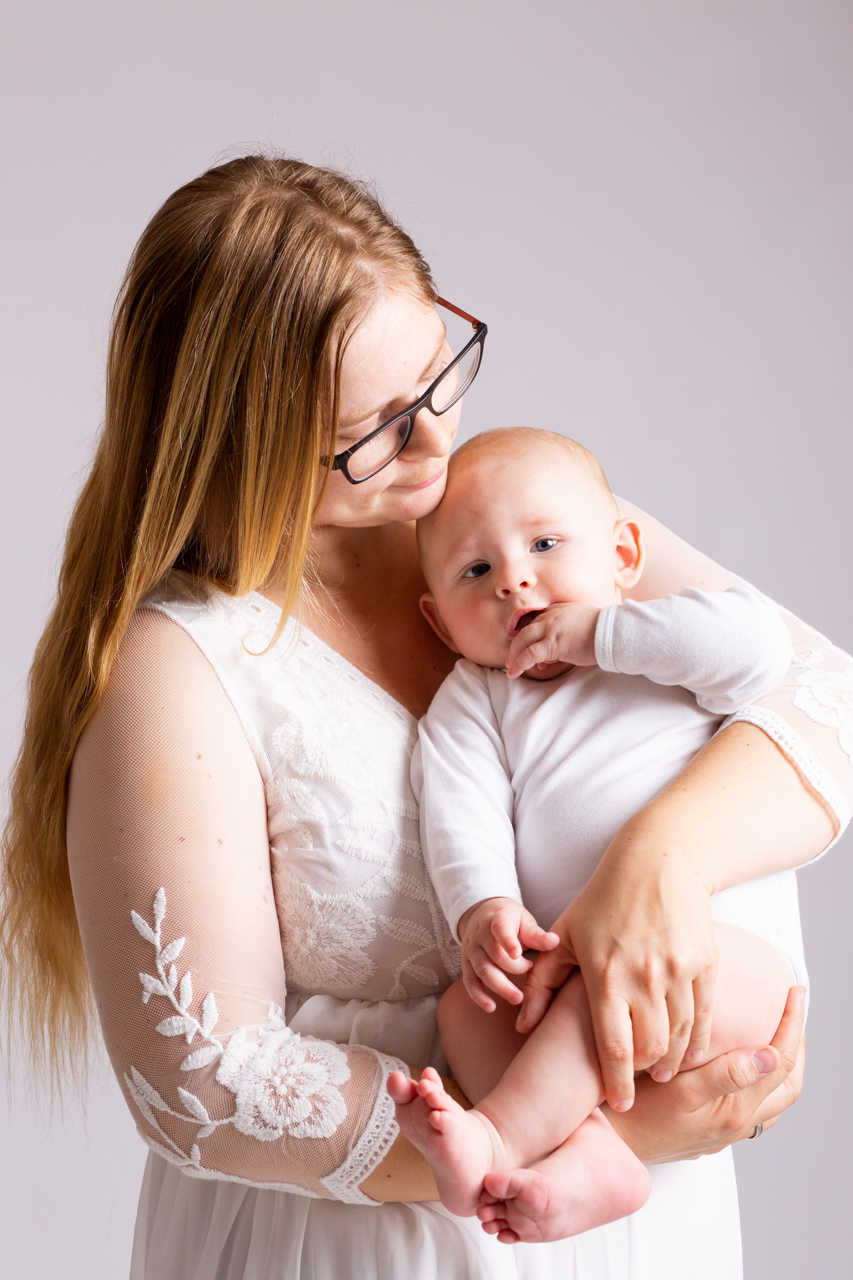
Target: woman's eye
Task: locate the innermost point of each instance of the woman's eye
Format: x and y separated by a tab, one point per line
476	570
544	544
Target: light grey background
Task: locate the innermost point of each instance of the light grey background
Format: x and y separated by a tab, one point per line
649	203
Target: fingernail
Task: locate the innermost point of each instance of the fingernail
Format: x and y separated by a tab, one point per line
696	1055
623	1105
764	1061
661	1076
801	995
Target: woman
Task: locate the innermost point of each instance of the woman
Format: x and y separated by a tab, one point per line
237	783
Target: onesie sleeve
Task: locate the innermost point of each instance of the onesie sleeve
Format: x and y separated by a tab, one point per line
809	712
170	866
727	647
461	777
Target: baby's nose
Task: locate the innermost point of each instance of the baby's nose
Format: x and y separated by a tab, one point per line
512	583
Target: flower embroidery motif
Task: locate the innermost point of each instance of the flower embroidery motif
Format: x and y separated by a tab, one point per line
827	698
283	1083
323	939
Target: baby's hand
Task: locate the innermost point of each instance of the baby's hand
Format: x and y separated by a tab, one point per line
494	933
564	634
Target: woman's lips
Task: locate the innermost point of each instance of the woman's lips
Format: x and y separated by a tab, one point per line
422	484
521	620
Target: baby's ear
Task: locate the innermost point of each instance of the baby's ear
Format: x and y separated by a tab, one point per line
630	553
430	611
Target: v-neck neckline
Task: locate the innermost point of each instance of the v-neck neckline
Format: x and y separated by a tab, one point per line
273	614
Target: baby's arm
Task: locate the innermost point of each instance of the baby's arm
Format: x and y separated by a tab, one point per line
460	777
727	647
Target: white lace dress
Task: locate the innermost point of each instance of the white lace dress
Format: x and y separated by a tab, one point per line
258	980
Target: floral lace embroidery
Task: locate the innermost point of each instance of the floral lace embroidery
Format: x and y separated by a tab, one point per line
283	1083
827	697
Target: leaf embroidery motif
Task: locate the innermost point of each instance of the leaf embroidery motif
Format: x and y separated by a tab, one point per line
281	1082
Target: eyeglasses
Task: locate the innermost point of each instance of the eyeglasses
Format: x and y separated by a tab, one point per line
376	450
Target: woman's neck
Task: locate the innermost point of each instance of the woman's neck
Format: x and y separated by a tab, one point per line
363	602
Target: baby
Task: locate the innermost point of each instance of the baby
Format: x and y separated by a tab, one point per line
523	784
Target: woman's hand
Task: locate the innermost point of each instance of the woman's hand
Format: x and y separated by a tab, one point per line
641	932
705	1110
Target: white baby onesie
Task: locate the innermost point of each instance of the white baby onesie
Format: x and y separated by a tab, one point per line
524	783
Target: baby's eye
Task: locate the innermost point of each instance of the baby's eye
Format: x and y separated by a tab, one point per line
544	544
476	570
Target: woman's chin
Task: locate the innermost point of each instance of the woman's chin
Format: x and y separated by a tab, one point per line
422	497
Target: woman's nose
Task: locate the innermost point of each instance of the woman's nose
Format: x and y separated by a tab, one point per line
433	435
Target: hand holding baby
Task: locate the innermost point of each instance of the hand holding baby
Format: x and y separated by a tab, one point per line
494	934
560	636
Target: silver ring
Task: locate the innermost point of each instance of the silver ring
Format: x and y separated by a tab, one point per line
759	1129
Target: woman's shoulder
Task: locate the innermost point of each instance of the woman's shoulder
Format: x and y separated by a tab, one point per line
160	679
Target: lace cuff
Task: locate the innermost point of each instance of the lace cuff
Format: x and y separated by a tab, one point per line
374	1144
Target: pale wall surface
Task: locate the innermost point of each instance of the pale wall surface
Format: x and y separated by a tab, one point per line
650	204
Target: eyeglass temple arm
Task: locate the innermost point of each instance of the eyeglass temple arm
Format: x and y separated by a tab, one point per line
459	312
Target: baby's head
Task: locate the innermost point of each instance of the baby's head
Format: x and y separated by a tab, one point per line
527	520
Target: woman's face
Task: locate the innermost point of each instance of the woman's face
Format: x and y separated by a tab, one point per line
395	353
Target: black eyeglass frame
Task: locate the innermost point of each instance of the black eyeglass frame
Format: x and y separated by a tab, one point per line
340	461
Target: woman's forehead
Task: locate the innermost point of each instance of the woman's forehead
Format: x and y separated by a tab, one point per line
388	354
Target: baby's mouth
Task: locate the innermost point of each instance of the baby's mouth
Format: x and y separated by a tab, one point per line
524	620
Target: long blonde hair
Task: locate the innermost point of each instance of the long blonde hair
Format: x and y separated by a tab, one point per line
221	401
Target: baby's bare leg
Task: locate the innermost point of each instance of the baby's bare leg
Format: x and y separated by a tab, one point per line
533	1089
543	1094
753	981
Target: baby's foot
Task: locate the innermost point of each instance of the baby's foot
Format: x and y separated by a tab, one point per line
591	1179
461	1146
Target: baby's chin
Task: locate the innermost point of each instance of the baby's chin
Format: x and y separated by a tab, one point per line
542	671
547	670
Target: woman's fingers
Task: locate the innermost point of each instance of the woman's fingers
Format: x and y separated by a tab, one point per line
550	970
680	1010
784	1096
614	1041
704	986
742	1083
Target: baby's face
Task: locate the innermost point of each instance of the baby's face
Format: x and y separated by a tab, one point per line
512	536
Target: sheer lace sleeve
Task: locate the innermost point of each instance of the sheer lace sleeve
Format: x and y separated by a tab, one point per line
809	715
170	863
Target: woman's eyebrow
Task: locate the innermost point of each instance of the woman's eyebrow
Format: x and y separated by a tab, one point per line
375	412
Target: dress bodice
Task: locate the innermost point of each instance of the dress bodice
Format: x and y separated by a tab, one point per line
358	915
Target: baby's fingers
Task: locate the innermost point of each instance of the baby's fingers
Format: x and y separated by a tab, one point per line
505	932
534	938
483	977
528	657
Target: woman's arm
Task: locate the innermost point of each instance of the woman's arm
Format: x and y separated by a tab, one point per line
170	865
747	805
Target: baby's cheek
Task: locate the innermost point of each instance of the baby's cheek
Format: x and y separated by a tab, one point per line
481	641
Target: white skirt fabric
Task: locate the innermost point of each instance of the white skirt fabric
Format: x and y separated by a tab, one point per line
189	1229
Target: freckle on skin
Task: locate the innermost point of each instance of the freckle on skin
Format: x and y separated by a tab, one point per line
181	839
219	842
198	757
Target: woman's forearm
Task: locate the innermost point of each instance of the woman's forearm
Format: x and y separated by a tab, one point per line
739	810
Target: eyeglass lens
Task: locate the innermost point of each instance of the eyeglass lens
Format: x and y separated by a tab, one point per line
377	453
